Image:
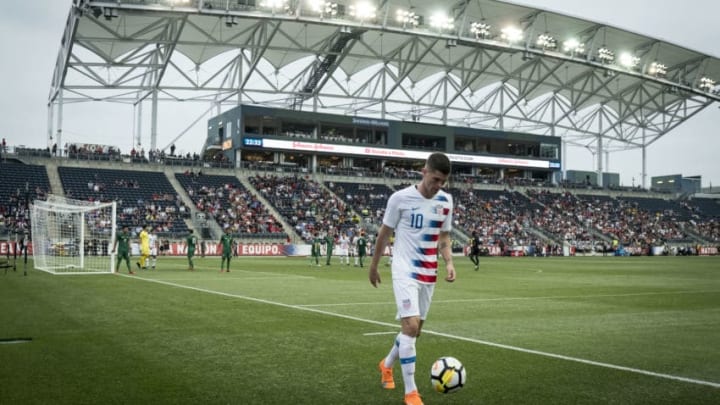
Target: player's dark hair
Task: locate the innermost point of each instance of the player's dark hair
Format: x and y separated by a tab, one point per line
438	162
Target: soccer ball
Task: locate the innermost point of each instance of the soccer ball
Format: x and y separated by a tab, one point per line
447	375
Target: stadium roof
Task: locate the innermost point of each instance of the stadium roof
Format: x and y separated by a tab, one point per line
551	74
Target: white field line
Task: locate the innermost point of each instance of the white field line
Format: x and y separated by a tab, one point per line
380	333
551	297
239	278
446	335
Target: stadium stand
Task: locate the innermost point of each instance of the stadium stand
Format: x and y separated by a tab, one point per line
703	207
142	197
365	198
500	217
304	204
514	215
20	182
225	199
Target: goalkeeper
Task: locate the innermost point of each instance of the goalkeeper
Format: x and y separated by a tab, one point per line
122	247
144	248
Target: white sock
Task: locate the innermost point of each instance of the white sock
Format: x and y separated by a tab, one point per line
406	352
393	355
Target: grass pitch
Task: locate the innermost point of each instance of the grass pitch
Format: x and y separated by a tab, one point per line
278	331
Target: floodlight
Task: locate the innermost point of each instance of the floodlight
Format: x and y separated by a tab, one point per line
629	60
274	4
605	55
481	30
324	8
573	46
442	22
546	41
363	10
511	34
406	18
657	69
706	84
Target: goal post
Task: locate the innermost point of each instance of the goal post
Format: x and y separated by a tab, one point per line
73	236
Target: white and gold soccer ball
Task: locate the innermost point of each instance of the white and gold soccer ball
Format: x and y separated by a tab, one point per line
447	375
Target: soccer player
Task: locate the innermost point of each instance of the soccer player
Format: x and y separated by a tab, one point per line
315	250
191	241
361	244
329	245
227	243
344	250
353	247
144	248
122	247
421	217
475	243
153	249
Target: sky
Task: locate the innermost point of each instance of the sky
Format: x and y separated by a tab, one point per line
30	33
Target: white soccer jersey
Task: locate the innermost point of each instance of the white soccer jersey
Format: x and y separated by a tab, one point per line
344	245
417	222
153	244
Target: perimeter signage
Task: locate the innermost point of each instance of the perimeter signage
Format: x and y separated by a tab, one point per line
389	153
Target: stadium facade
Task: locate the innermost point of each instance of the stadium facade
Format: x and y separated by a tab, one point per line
318	142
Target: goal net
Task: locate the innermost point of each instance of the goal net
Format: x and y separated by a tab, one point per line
72	236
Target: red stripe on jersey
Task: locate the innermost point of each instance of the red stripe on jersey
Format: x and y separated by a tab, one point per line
425	278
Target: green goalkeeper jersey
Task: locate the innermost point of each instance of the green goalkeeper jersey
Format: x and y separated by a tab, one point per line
123	242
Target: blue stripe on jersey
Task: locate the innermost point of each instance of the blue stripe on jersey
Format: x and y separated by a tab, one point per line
441	198
430	238
423	264
407	360
435	224
427	251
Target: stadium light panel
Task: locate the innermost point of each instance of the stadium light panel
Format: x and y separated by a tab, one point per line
573	47
628	60
407	18
511	34
546	41
706	84
363	11
605	55
480	30
324	8
442	22
274	4
657	69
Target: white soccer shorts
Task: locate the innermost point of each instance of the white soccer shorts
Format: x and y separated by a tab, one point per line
412	298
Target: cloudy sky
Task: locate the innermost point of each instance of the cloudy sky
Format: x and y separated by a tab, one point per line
30	33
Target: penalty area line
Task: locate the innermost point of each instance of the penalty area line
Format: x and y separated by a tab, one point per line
441	334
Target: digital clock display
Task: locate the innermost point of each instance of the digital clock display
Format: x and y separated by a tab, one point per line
252	141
